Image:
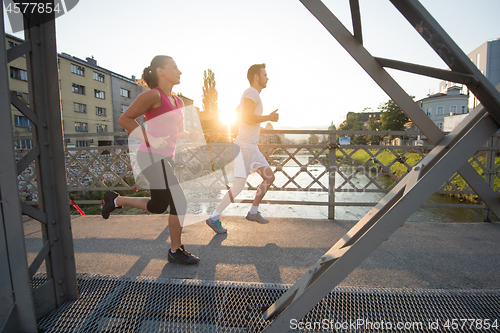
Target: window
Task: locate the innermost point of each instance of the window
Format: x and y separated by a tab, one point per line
453	109
124	107
440	125
79	70
464	109
78	89
81	127
428	111
24	144
18	74
124	92
100	111
21	121
98	77
440	110
102	128
99	94
81	143
80	107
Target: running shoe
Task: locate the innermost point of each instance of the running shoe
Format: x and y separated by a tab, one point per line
181	256
257	218
108	203
216	226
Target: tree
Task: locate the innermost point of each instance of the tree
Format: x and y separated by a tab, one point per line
374	125
354	123
210	94
212	127
313	139
393	118
351	123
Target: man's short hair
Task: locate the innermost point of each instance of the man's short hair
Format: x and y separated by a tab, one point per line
254	69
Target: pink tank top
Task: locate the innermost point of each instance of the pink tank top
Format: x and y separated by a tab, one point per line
161	122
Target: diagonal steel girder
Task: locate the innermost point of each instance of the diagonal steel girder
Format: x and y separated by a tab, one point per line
382	221
450	153
460	65
462	70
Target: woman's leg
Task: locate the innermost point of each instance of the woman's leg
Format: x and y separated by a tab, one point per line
137	202
175	229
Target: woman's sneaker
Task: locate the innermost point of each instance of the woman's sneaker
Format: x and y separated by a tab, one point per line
216	226
257	218
181	256
109	203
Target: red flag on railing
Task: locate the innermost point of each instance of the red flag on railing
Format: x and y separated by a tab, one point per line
76	206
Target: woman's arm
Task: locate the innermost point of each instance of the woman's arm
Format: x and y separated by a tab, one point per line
145	101
182	134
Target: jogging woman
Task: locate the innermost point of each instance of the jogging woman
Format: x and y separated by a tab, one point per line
164	117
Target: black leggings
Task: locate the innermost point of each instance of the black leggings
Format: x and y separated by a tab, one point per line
164	186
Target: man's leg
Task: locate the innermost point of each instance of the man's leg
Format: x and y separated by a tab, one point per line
267	179
267	175
213	221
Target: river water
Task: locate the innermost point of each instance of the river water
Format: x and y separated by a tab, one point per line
321	212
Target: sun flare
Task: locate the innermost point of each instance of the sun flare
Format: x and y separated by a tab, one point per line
228	118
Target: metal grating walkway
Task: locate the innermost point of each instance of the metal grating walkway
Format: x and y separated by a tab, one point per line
138	304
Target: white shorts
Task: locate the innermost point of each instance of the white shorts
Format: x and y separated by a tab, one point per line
248	160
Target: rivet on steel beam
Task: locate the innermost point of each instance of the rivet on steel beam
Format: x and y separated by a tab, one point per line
46	144
53	221
60	281
55	239
61	294
323	258
417	168
44	125
38	42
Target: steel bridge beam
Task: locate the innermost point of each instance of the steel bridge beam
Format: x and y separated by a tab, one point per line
44	111
17	310
450	155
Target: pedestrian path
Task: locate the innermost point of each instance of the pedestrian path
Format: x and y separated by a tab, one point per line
419	255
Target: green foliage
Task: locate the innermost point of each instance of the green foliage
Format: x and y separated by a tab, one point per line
374	125
354	123
313	139
393	118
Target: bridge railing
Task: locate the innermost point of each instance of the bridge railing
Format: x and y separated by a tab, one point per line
319	163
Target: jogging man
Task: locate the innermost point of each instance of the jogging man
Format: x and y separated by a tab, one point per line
249	158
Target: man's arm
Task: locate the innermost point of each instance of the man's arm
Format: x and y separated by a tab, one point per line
247	116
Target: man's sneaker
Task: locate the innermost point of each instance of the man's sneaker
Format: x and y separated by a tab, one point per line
216	226
181	256
257	218
109	203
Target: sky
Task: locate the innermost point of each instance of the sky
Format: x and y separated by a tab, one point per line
313	81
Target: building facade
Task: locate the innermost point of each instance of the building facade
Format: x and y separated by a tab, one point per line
86	102
487	59
440	105
123	92
18	83
92	100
